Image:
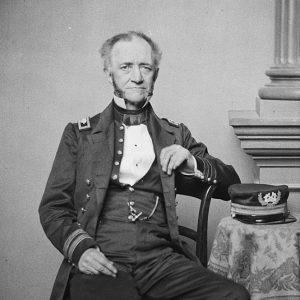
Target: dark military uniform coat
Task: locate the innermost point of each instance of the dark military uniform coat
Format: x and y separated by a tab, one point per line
80	176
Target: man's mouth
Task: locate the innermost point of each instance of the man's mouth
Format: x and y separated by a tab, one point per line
136	88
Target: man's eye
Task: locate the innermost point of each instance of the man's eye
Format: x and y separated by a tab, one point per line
125	67
147	68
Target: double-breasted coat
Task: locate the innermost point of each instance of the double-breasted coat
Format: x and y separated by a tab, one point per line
80	176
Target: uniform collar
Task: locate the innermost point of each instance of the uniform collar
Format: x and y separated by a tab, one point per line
129	117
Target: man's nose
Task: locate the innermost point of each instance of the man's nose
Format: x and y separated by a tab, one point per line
136	75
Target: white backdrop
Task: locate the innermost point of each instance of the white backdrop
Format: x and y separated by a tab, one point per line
215	53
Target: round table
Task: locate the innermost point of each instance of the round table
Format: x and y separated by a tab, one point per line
263	258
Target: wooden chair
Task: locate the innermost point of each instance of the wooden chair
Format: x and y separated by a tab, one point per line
203	193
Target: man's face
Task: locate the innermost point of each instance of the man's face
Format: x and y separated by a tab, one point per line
132	71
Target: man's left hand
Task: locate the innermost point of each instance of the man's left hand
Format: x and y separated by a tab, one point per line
175	156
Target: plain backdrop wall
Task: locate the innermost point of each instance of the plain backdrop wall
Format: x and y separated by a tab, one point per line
215	53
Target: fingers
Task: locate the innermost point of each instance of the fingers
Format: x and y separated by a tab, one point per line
108	267
93	261
165	157
172	157
174	161
90	271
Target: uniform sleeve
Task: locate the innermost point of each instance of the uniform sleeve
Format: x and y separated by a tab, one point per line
213	170
58	215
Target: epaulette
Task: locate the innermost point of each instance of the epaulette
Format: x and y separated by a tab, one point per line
84	124
171	122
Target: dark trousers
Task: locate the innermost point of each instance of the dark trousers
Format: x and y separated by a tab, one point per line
149	267
174	277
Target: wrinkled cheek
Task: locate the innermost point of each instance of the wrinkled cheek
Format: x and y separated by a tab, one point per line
118	91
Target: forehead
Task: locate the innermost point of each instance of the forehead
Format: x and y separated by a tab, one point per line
137	50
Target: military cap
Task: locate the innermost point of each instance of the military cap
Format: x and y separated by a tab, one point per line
260	203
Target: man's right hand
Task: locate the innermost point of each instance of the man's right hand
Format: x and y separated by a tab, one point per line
93	262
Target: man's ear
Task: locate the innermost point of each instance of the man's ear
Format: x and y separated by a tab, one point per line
108	75
155	75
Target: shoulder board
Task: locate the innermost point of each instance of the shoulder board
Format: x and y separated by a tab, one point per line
84	124
171	122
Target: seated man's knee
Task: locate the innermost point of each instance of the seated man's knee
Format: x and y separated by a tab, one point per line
238	292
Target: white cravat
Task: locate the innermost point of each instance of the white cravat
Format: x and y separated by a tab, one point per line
138	151
138	154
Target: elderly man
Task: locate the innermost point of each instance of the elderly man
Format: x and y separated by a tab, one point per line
109	204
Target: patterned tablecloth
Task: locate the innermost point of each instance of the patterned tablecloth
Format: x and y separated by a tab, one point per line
263	258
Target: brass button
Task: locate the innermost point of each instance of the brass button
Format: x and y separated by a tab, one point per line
119	152
88	197
114	177
131	189
215	181
121	127
88	182
121	140
83	210
117	163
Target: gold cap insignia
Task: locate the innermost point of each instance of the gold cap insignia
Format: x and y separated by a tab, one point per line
269	199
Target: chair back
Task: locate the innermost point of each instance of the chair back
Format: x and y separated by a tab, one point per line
203	193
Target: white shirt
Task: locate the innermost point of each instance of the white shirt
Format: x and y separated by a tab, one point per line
138	151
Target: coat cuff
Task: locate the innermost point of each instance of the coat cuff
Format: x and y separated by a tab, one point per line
77	242
207	171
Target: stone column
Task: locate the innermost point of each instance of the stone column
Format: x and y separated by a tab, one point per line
271	134
285	74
